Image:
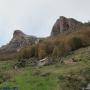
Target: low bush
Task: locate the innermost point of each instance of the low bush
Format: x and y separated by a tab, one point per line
4	77
75	81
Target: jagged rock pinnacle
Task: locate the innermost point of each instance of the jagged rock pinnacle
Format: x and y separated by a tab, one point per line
18	33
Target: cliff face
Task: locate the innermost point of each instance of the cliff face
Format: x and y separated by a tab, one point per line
18	41
64	24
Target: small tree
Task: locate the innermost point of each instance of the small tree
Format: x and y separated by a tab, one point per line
42	51
55	52
28	52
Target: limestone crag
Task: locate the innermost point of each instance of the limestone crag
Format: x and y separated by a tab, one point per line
18	41
64	24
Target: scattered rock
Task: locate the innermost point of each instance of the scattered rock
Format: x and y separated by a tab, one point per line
45	74
43	62
70	61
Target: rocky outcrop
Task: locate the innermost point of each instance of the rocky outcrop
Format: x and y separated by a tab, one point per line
64	24
18	41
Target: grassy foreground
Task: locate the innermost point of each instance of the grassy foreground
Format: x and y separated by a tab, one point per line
52	77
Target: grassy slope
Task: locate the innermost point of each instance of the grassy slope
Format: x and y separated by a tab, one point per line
25	79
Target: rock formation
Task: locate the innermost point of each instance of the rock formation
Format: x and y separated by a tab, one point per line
21	40
18	41
64	24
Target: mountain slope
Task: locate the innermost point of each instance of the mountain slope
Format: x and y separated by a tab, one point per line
69	33
52	77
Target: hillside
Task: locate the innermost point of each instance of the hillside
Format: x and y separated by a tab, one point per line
18	41
58	62
53	77
62	32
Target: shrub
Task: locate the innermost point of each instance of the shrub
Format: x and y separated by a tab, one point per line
59	50
28	52
73	43
72	82
4	77
42	51
75	80
55	52
86	73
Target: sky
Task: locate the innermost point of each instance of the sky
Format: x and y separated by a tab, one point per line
36	17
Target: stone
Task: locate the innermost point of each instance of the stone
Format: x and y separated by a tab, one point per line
43	62
64	24
18	41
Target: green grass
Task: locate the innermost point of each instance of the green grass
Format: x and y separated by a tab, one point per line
5	65
25	79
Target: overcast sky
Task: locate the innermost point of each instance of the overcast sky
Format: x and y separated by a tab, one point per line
36	17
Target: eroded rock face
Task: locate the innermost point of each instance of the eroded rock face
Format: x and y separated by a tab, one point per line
64	24
18	33
18	41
